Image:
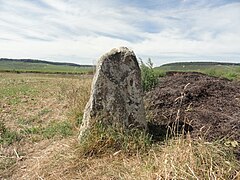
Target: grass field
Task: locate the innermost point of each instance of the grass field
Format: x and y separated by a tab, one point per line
227	71
36	109
39	124
15	66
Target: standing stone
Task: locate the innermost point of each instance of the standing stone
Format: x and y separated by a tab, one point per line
116	97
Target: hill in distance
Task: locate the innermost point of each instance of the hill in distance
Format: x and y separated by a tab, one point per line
227	70
201	64
41	66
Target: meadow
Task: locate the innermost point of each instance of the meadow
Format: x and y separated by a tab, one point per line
224	70
42	67
40	115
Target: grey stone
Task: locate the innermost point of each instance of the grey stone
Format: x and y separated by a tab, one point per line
116	97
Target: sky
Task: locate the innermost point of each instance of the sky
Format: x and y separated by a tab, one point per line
80	31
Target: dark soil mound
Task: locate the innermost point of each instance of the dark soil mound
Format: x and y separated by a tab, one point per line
208	106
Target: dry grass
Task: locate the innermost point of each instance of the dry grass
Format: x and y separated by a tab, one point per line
76	93
33	107
108	155
101	140
178	158
182	158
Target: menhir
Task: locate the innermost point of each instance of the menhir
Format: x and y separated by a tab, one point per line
116	95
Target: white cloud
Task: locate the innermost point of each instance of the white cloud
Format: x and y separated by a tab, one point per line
81	31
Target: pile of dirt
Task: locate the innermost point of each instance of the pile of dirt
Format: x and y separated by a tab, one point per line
208	106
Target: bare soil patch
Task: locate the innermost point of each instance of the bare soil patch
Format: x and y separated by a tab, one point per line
210	106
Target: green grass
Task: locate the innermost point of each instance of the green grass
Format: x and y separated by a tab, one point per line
227	71
59	129
8	136
55	129
15	92
13	66
29	105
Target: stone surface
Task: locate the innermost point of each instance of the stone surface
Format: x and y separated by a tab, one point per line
116	97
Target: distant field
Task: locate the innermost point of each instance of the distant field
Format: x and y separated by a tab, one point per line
227	70
41	67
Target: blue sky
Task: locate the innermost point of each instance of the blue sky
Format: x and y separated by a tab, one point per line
81	31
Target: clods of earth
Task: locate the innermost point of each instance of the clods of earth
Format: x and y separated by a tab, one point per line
207	106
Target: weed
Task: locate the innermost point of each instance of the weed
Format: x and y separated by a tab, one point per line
28	121
231	75
7	136
149	77
31	130
101	139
